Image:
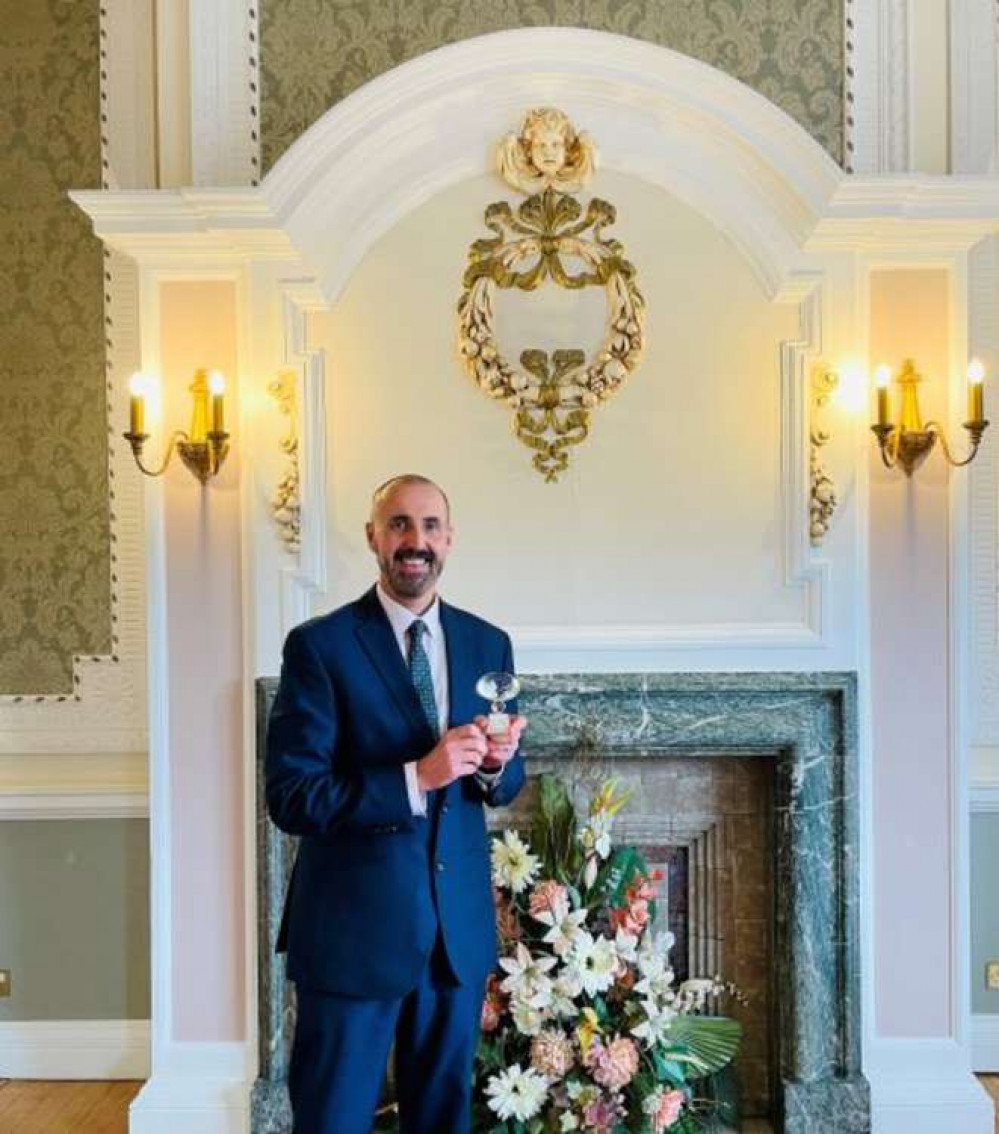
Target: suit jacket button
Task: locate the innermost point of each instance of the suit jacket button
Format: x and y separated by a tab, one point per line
443	809
440	865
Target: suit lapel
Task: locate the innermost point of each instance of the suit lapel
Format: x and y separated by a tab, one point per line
461	675
378	641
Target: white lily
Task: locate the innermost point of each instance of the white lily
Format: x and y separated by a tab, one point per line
527	976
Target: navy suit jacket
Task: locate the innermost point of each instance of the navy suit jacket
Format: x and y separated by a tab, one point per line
372	882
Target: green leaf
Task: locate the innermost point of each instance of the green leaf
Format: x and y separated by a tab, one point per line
670	1070
553	831
711	1042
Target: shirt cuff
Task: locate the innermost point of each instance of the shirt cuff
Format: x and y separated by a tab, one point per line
417	797
489	778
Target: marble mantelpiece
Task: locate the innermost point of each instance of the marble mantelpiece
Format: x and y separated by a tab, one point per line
805	722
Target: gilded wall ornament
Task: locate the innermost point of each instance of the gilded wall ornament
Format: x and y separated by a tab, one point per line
550	236
285	504
823	499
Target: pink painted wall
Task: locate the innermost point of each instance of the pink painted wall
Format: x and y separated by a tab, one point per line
909	671
204	619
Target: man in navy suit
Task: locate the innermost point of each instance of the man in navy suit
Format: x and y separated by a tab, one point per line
378	758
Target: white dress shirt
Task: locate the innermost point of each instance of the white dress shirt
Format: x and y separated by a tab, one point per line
400	619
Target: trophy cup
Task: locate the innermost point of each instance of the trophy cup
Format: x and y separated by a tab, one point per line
497	689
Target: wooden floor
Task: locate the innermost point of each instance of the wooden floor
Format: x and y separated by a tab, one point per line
65	1108
102	1108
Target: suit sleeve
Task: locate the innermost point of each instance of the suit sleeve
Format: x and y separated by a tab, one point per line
307	794
505	788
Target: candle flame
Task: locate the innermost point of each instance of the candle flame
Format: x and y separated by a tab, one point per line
216	382
882	376
138	385
976	370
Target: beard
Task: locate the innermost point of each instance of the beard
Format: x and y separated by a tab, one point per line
407	583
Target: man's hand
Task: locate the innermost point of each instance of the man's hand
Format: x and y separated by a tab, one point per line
459	752
500	749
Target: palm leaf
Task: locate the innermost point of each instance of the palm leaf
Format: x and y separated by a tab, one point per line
710	1042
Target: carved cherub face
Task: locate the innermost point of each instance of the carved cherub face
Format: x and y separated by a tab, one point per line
546	140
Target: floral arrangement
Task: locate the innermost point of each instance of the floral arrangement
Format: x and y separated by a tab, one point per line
584	1026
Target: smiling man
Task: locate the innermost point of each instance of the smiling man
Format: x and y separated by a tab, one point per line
377	756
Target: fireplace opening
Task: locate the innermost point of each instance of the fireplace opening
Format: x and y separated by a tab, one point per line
707	823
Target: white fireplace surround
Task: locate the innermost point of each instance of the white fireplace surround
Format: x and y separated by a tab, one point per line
291	244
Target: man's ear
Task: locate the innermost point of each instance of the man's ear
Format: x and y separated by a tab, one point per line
369	531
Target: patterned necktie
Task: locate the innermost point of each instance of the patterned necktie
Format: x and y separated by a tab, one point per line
419	670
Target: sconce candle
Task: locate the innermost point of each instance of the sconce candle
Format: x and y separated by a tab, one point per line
217	383
882	377
201	449
136	404
976	398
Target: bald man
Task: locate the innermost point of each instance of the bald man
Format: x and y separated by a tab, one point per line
379	759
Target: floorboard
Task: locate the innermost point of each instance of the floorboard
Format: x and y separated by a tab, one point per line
33	1107
29	1107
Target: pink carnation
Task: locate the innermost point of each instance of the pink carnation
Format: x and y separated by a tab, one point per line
545	897
668	1113
613	1065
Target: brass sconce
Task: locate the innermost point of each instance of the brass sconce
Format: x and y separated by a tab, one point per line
909	443
202	449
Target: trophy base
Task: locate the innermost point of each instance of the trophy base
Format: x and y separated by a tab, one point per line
498	724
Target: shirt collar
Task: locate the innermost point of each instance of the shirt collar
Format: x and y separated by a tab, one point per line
401	617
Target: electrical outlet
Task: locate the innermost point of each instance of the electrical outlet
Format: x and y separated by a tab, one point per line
4	982
992	975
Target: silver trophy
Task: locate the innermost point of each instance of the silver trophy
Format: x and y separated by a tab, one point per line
497	689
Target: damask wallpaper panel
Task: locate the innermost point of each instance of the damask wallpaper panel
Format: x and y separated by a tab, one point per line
314	52
55	592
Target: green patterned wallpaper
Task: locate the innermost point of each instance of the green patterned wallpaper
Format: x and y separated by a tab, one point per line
313	52
55	546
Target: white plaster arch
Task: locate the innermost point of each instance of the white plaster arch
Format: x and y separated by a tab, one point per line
654	113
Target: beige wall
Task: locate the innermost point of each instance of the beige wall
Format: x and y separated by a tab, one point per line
910	680
619	540
204	600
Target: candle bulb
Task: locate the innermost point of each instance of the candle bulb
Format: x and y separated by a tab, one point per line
136	404
976	399
882	377
217	384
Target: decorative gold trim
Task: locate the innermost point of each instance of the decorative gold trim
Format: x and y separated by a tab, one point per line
286	505
823	499
552	399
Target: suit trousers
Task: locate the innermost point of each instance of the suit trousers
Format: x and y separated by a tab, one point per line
341	1049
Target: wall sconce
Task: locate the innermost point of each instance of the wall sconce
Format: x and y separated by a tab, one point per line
202	449
909	443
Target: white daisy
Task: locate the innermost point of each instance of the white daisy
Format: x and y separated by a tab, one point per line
517	1094
594	961
514	867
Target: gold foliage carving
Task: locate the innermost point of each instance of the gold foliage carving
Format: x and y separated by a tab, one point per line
541	241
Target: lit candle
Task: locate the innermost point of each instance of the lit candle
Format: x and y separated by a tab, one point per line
216	383
976	398
136	403
882	377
